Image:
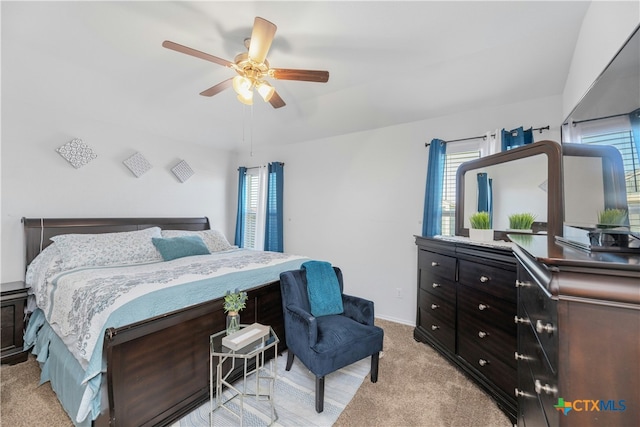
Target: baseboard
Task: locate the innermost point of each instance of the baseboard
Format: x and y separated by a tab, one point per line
396	320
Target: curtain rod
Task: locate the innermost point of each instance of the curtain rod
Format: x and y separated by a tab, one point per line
426	144
257	167
599	118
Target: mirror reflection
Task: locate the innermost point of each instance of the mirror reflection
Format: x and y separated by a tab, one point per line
607	116
518	186
523	180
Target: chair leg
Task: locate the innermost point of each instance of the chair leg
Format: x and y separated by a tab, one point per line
319	394
375	359
290	357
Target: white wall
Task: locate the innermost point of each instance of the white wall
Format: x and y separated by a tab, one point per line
38	182
357	200
606	27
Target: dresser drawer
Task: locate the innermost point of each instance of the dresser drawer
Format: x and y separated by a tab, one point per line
13	302
499	372
439	265
437	318
436	285
495	341
440	331
538	310
440	308
530	411
543	380
490	279
487	308
8	333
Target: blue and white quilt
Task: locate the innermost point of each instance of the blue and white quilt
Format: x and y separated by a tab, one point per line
80	304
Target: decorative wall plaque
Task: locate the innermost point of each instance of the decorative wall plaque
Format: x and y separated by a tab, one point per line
137	164
76	152
182	171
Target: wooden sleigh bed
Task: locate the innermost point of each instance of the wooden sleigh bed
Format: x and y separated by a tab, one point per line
157	368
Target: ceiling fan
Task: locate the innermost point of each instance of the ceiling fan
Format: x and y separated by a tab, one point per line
252	67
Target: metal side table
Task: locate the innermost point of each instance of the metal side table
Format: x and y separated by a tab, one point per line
251	360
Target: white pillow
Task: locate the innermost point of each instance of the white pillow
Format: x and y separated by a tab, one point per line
214	239
128	247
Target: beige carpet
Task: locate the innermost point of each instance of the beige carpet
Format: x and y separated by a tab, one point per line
24	403
416	387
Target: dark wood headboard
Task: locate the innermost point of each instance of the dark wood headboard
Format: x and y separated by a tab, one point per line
38	231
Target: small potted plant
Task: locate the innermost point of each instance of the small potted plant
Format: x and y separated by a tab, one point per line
481	227
611	218
233	303
521	221
612	229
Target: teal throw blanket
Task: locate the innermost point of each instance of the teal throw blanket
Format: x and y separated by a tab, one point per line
323	289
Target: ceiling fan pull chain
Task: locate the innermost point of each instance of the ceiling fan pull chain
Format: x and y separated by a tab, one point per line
251	128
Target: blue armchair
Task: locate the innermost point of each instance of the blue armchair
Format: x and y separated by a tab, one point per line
327	343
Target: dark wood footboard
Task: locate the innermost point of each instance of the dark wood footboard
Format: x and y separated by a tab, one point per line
158	369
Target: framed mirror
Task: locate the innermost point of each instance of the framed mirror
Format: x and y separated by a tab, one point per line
525	179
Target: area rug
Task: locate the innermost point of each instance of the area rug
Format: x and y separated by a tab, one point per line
294	398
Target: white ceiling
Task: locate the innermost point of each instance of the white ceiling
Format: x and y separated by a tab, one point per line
389	62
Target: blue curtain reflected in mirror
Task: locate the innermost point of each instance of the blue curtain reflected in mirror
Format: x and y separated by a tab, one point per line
485	195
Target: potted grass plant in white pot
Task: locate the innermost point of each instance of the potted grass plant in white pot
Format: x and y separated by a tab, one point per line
481	227
521	222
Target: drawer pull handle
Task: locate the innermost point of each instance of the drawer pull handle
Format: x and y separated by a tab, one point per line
520	393
546	388
520	284
548	328
484	279
483	362
519	356
482	307
434	306
434	264
521	320
436	285
435	327
482	334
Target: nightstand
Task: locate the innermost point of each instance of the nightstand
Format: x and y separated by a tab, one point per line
13	300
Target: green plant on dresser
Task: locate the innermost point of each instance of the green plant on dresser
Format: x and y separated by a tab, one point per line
480	220
521	221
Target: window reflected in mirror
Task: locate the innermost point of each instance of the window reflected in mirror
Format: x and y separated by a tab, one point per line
607	116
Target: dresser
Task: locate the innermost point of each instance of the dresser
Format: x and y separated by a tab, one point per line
578	327
466	306
13	302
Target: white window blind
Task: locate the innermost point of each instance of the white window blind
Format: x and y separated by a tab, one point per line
250	221
623	141
452	162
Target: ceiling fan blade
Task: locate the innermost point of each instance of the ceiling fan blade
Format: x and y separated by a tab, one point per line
214	90
189	51
304	75
276	101
261	38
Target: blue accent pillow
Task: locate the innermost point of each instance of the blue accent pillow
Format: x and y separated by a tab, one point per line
323	289
179	247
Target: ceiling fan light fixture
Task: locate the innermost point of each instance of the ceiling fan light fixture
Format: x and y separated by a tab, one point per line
265	90
246	99
242	86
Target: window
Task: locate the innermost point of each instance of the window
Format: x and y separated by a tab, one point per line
452	161
256	226
623	141
251	213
